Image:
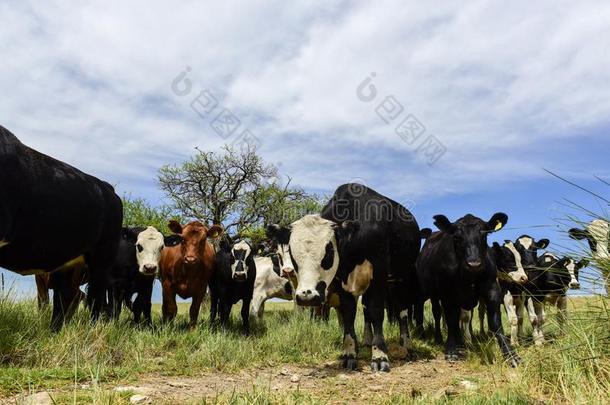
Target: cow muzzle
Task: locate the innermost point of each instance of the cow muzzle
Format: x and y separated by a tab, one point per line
190	259
240	276
574	285
518	278
308	298
287	272
149	269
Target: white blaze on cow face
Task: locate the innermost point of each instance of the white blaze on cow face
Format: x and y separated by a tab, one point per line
518	276
240	252
149	245
287	267
312	242
599	231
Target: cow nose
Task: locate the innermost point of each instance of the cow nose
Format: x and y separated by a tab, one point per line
190	259
150	268
523	279
474	263
287	272
575	285
308	298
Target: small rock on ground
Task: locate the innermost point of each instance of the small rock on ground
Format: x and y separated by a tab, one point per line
139	399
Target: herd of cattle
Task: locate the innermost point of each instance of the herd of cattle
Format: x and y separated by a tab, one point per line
65	227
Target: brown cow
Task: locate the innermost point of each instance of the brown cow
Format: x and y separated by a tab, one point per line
73	278
186	269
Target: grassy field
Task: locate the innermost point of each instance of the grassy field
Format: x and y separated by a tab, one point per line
288	359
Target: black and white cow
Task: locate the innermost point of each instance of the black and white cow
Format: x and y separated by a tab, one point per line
528	249
135	269
268	284
457	267
549	283
597	234
233	281
53	216
364	240
511	276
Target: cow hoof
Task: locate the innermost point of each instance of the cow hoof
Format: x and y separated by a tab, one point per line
350	363
452	357
382	365
514	361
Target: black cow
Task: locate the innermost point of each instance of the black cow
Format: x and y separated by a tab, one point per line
367	242
135	269
53	216
457	267
549	283
233	281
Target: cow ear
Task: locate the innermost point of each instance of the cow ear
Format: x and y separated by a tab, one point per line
425	233
582	263
543	243
279	234
346	229
577	234
497	221
175	227
443	224
215	231
172	240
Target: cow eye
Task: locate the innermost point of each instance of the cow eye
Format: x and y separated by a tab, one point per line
139	247
329	257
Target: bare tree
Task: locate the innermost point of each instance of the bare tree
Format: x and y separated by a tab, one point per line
232	188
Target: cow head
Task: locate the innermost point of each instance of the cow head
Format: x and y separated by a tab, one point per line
597	235
314	244
508	263
241	256
566	268
149	245
574	268
470	238
528	249
280	246
194	237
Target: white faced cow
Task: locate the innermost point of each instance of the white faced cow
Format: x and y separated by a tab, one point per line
361	242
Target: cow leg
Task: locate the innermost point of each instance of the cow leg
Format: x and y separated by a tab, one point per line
65	299
42	290
437	311
509	305
493	296
367	333
519	307
348	309
418	314
213	305
257	306
465	325
562	312
137	307
245	316
534	310
405	337
169	307
452	317
194	311
379	349
482	310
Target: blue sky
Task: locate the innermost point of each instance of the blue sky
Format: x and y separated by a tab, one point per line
507	90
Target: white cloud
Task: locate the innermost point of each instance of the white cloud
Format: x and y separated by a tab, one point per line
90	84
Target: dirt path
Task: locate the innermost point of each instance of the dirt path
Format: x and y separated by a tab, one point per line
329	383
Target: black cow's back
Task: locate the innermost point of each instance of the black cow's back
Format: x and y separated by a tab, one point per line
386	227
51	212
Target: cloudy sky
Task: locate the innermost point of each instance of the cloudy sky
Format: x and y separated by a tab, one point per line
448	108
